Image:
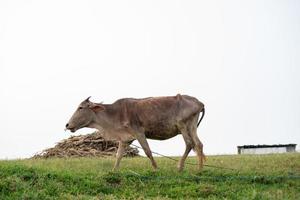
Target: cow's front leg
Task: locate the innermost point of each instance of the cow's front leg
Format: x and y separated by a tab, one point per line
119	155
143	142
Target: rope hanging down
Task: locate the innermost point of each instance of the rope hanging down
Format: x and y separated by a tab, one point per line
176	160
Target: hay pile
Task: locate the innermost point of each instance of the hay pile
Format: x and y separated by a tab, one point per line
85	146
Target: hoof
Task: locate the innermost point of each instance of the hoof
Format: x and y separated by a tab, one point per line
180	168
115	169
200	167
155	169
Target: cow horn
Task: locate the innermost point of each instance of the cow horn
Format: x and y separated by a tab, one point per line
88	99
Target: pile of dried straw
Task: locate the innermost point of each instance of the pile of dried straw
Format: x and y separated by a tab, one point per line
85	146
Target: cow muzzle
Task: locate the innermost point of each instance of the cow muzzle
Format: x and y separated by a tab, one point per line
70	128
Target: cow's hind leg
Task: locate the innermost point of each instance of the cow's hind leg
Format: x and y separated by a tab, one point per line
189	145
198	146
143	142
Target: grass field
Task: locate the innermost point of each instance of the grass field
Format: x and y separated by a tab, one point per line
258	177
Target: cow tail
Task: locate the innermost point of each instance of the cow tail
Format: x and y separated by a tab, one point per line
203	112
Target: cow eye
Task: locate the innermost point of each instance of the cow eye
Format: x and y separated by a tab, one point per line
80	108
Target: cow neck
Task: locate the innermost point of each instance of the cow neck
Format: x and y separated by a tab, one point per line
104	117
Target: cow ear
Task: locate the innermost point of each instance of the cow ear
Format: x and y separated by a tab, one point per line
96	107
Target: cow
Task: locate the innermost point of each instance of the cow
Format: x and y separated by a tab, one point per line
158	118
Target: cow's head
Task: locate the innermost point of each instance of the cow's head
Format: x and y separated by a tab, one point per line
84	115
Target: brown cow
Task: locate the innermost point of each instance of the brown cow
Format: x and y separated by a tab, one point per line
157	118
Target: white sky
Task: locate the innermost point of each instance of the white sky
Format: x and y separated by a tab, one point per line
241	58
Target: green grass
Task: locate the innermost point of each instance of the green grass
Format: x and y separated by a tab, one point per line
258	177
